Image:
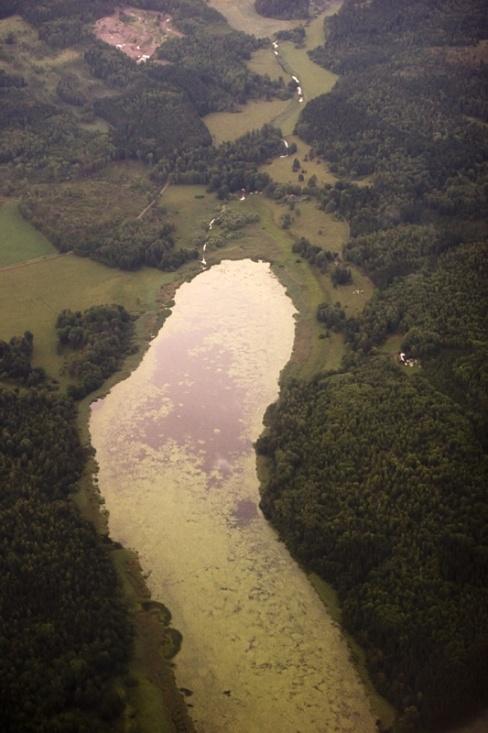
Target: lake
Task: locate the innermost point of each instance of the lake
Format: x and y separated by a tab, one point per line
177	471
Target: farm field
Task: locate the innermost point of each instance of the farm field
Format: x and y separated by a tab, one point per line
31	298
224	126
242	16
19	241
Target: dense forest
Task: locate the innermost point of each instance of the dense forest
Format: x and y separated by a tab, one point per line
227	168
99	339
79	224
377	472
15	361
64	629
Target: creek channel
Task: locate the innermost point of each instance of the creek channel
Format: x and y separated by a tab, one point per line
177	471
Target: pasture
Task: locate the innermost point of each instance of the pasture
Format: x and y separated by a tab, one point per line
19	241
224	126
32	296
243	17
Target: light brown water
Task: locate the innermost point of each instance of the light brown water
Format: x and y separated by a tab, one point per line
177	470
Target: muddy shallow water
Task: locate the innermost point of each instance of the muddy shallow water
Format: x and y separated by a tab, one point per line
177	471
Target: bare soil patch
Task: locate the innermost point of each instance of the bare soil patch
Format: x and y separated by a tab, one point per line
137	33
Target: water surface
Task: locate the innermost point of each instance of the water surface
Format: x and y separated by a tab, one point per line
177	470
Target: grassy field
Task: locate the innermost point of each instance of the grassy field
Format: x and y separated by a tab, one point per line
19	241
225	126
263	61
31	298
314	79
190	209
242	16
280	169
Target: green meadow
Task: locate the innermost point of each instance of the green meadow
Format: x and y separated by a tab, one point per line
190	209
19	241
242	16
281	169
31	297
263	61
224	126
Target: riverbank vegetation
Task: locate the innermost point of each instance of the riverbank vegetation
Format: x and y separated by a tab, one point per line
377	471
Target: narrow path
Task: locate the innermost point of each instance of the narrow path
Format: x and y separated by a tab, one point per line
35	261
150	205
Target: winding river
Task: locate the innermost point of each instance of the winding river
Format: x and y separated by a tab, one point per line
177	471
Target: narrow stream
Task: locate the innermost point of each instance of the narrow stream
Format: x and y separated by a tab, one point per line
177	471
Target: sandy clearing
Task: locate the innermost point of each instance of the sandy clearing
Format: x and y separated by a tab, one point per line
137	33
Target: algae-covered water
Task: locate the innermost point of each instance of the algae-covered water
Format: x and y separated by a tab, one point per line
177	471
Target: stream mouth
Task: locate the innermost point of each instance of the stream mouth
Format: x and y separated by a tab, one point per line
174	446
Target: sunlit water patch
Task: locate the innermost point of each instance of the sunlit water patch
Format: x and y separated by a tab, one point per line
177	470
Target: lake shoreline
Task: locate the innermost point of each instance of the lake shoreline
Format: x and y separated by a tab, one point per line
177	577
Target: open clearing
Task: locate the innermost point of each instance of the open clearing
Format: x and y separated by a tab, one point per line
224	126
263	61
19	241
281	169
32	297
314	79
242	16
190	209
137	33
